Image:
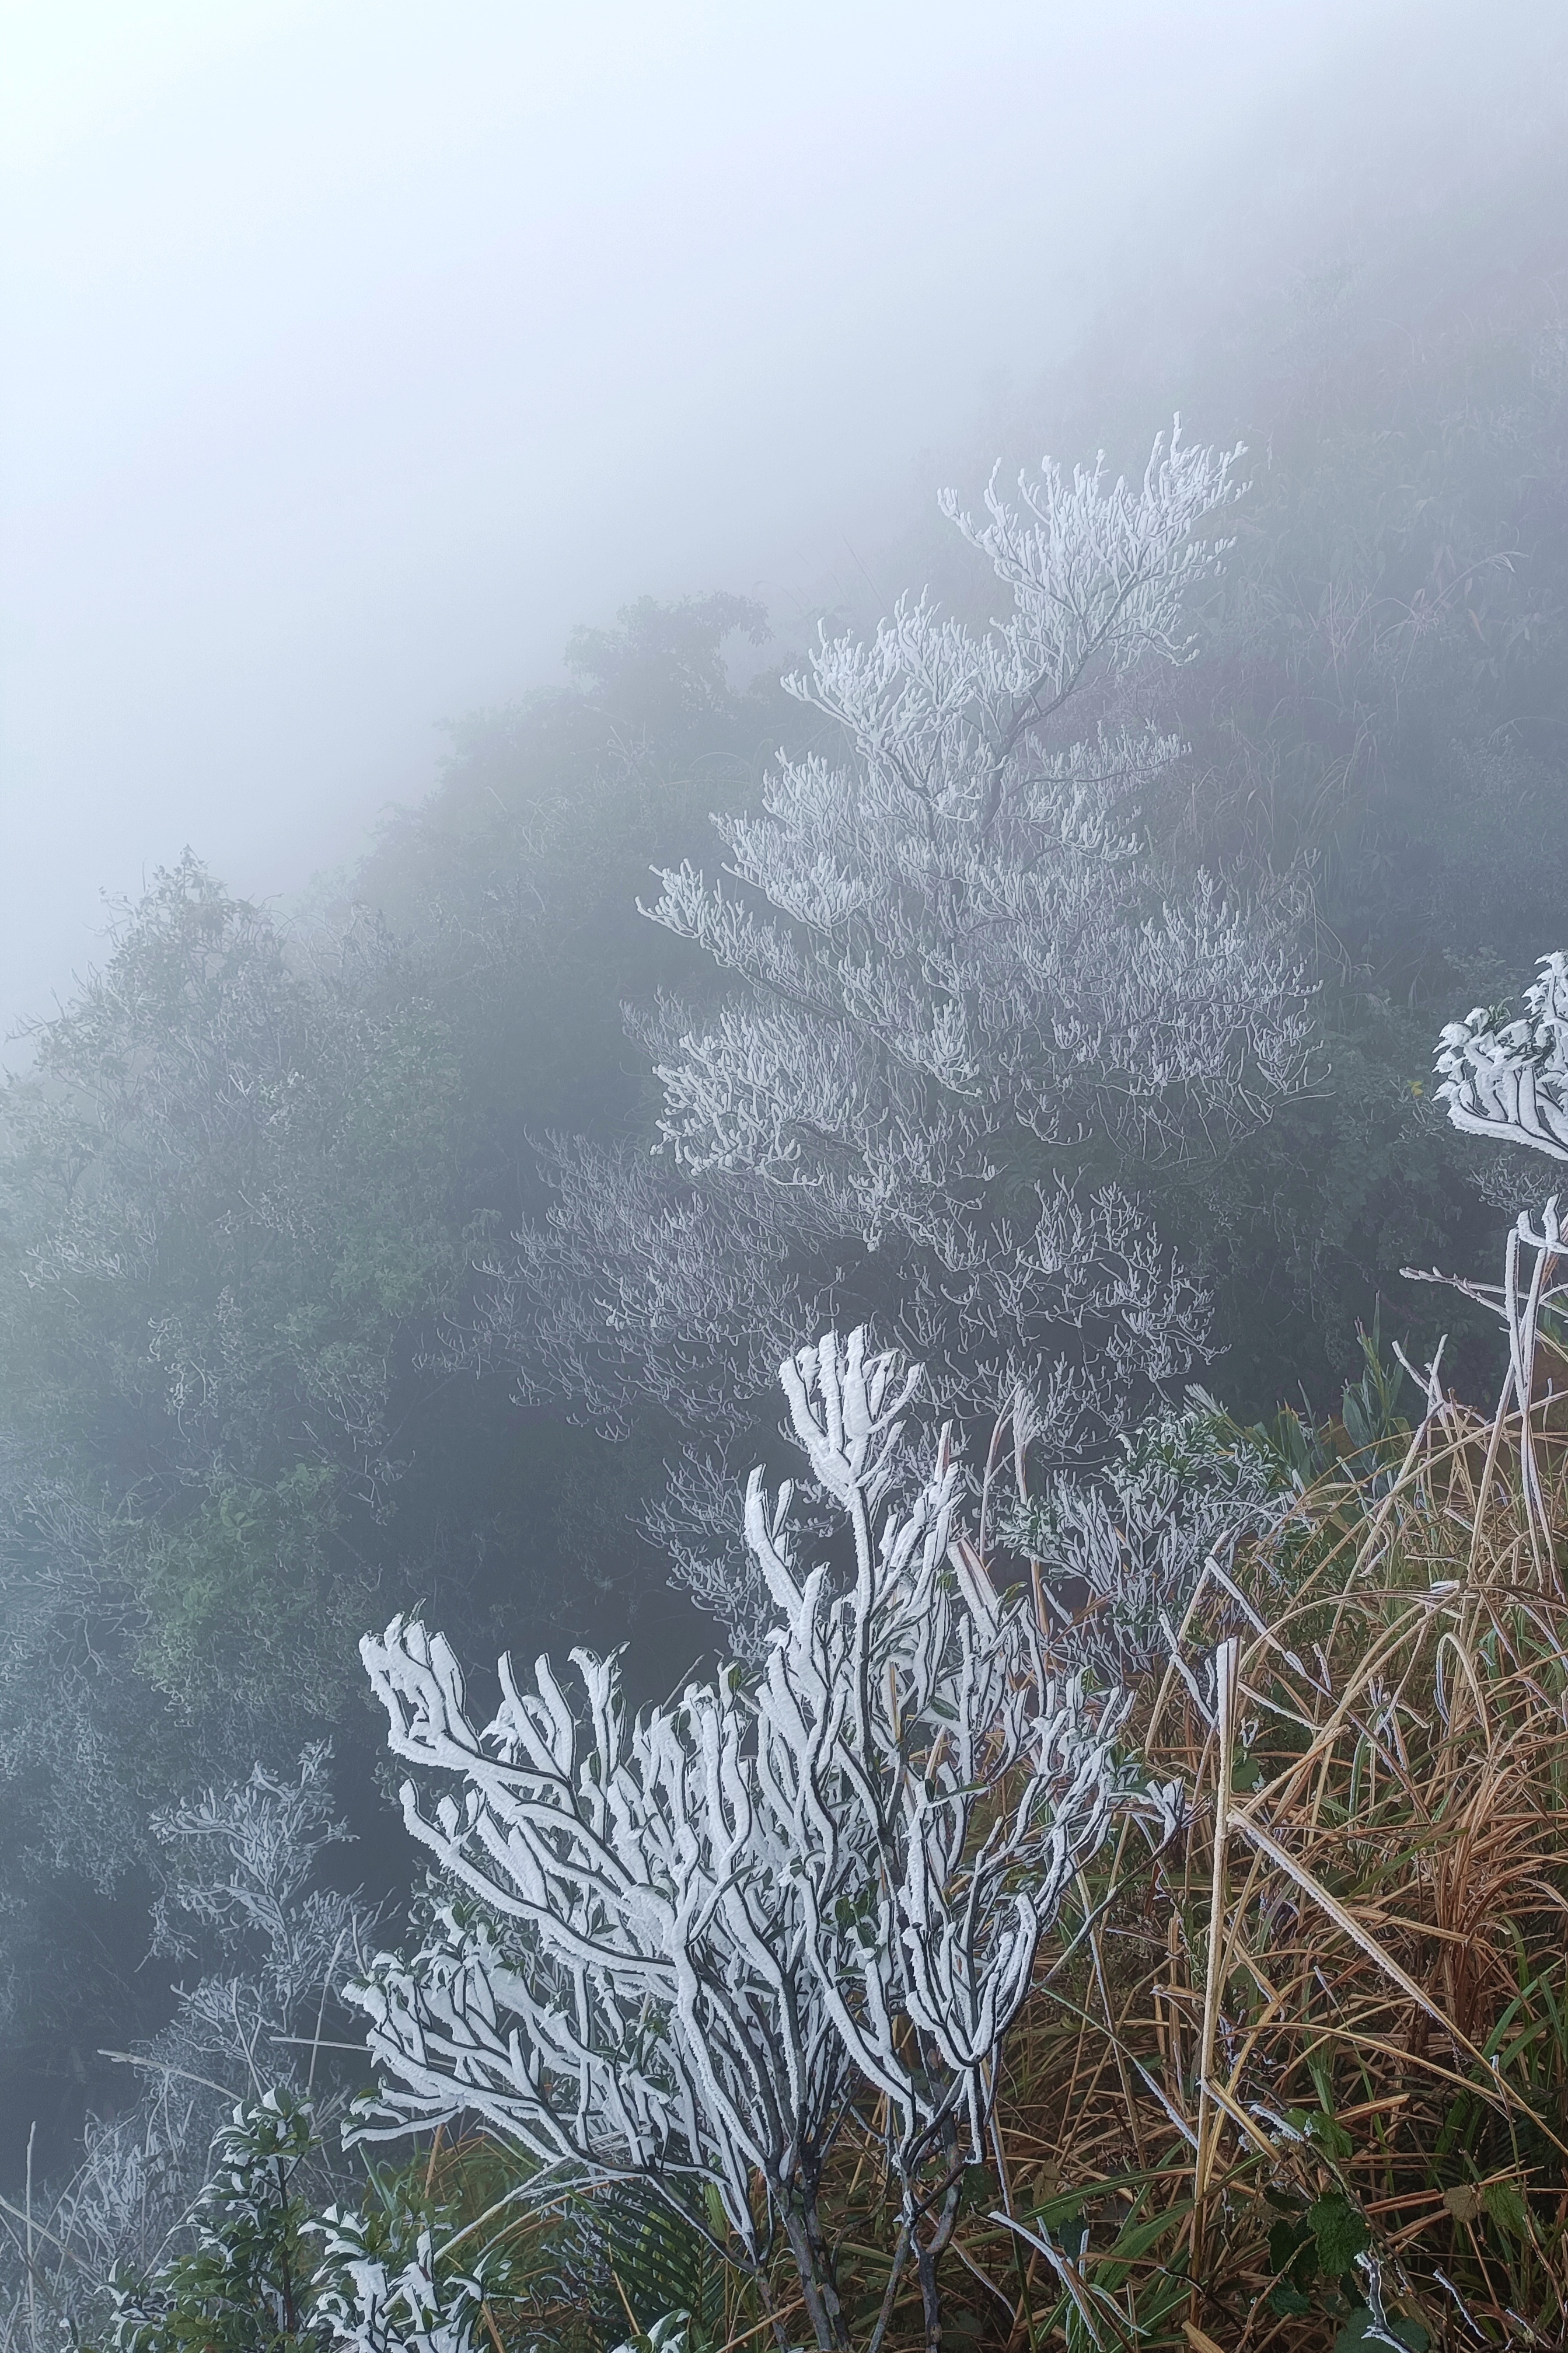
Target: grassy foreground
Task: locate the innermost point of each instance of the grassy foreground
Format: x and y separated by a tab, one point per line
1300	2080
1309	2078
1297	2080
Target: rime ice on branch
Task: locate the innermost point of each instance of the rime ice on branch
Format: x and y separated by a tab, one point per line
1510	1079
679	1942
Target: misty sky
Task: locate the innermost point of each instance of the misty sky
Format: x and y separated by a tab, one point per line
354	350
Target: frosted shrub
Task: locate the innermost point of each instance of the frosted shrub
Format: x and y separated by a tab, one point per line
628	1998
1510	1079
238	1863
380	2286
253	2277
1119	1555
244	2281
678	1943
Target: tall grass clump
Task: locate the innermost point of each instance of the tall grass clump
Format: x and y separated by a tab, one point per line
1303	2079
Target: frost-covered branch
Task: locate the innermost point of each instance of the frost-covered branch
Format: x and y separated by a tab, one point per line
639	1287
1510	1079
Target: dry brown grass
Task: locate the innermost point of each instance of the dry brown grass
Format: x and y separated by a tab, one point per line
1371	2055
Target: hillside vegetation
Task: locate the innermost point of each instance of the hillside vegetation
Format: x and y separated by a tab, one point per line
1112	1886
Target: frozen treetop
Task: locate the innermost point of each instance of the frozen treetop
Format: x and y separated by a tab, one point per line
956	919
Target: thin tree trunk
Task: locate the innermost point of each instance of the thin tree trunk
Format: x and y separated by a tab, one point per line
817	2289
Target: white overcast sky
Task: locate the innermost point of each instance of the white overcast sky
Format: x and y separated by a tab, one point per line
355	349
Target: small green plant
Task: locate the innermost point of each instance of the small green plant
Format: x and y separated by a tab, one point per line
245	2287
266	2276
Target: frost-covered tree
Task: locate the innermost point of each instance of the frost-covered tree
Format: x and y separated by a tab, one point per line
965	998
951	934
677	1945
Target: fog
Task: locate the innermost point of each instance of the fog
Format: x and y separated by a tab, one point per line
357	357
356	354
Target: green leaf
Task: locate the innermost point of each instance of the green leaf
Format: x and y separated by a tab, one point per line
1329	2135
1287	2302
1134	2241
1341	2232
1506	2208
1286	2240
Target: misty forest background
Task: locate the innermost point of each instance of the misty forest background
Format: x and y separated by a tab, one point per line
253	1171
